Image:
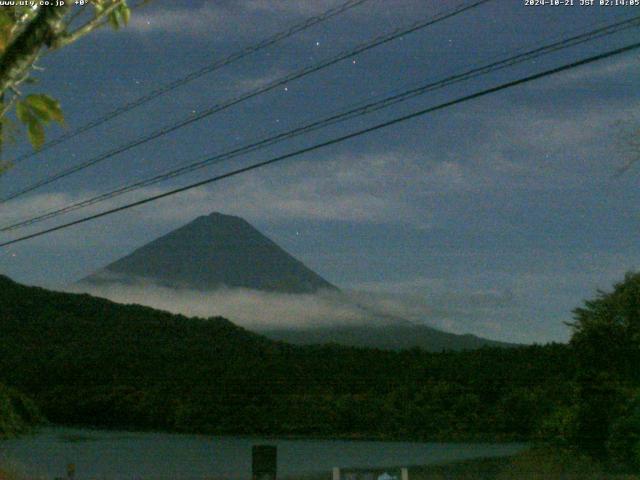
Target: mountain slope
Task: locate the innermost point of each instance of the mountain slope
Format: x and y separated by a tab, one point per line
210	252
386	337
218	251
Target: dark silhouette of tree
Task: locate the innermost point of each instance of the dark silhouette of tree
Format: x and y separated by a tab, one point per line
606	341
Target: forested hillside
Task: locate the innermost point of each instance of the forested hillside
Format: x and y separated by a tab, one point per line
93	362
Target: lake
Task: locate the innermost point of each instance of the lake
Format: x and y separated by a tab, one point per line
142	455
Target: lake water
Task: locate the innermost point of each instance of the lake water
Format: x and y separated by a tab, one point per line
140	455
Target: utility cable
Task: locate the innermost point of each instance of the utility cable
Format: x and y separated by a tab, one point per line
333	119
383	39
334	141
168	87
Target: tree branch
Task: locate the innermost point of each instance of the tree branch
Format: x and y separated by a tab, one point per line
99	20
24	50
22	22
7	106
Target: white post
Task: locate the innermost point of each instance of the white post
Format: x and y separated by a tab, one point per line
405	473
336	473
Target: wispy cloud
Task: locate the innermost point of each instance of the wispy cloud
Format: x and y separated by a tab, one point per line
222	18
357	189
289	7
204	20
249	308
27	206
481	312
522	148
260	311
462	309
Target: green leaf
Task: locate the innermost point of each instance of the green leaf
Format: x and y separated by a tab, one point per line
115	19
45	107
99	7
36	133
120	16
125	13
22	112
35	111
6	20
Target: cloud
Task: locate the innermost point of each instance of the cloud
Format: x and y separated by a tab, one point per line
252	309
382	189
347	189
393	187
201	21
527	302
27	206
530	146
611	71
521	149
223	18
437	303
258	310
289	7
362	189
247	83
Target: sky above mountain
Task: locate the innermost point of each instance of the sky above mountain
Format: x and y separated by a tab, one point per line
496	216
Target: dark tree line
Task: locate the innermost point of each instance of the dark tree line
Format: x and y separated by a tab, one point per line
87	361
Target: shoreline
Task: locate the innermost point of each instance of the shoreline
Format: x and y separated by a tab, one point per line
466	439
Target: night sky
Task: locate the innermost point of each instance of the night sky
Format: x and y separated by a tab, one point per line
498	216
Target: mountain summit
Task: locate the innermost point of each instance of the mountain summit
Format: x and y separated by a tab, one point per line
218	251
211	252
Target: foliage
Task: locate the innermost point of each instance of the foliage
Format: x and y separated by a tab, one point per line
93	362
606	342
559	427
536	463
89	361
553	463
17	412
26	33
606	333
10	473
623	443
35	111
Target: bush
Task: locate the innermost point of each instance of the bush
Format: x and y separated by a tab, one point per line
606	341
623	444
17	412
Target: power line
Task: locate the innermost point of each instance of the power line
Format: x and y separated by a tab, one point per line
168	87
345	115
334	141
377	41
